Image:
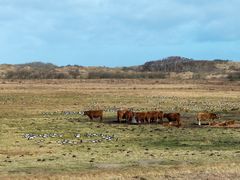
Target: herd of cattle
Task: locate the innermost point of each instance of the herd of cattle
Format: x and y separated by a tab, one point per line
151	116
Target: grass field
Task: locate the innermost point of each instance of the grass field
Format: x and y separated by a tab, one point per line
66	145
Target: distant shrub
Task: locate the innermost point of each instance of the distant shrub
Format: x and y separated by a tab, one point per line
124	75
234	76
74	74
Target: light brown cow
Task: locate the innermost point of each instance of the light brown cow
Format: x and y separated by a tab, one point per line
94	114
205	116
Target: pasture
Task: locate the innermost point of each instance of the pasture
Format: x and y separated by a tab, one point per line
43	136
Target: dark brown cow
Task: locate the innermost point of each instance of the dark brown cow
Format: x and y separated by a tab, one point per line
140	116
205	116
173	117
94	114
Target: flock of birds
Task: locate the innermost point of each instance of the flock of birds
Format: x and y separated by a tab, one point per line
68	113
91	138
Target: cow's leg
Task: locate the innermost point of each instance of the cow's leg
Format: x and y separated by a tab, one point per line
199	122
129	119
156	120
143	120
178	123
160	120
149	120
136	119
101	118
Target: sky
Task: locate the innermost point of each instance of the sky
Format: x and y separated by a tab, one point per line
117	32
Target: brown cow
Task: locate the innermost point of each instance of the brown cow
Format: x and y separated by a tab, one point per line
173	117
121	115
129	116
124	114
160	116
94	114
205	116
140	116
151	116
154	116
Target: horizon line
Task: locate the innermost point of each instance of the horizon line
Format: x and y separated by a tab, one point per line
161	59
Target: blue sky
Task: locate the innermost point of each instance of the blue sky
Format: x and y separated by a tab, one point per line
117	32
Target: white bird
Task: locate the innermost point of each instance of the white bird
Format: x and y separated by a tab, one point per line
77	135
